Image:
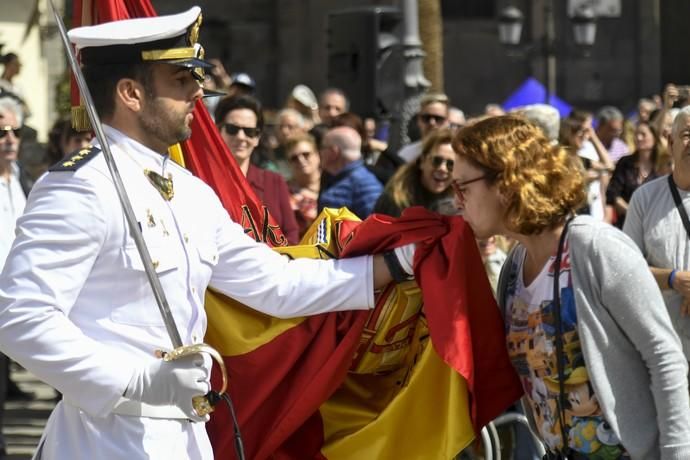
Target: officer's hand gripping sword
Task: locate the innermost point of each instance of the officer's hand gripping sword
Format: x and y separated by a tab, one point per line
203	405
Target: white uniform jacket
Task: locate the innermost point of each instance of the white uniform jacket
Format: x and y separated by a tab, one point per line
76	308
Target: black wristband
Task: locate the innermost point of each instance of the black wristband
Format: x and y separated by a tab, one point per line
394	267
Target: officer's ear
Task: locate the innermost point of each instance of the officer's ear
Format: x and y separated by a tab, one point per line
129	94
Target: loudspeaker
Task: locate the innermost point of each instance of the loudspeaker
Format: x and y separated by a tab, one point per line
674	31
365	59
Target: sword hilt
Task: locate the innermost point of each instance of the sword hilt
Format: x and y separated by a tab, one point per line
203	405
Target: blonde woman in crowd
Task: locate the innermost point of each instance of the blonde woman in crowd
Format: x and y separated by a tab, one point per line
424	181
634	170
578	136
305	166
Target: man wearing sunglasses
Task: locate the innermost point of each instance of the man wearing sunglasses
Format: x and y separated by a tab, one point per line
12	203
12	198
433	114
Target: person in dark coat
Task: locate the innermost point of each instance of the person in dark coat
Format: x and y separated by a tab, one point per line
240	121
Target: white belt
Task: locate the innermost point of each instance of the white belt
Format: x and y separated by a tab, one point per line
133	408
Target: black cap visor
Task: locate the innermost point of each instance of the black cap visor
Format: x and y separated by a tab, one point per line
213	93
190	63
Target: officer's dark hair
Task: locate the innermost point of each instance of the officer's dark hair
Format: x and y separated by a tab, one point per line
102	79
230	103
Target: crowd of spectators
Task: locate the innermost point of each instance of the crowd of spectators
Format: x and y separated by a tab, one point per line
313	152
295	173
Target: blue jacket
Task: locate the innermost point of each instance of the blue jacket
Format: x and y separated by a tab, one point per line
354	187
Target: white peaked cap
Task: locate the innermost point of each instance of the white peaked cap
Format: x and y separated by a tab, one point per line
134	31
171	39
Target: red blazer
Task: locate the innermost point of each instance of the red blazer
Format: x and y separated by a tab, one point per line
273	192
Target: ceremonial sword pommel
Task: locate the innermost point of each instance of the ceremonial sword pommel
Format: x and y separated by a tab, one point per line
203	405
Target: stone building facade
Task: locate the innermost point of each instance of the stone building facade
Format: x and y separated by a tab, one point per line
284	42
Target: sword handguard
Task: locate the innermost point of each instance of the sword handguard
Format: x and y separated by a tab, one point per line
203	405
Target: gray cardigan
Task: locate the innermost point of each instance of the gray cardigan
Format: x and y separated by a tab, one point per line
633	355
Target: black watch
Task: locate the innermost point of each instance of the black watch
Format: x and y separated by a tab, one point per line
399	275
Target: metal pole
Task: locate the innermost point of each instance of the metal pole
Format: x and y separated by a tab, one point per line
415	82
549	50
414	72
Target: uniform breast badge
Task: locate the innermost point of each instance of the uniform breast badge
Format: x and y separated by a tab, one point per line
164	185
150	220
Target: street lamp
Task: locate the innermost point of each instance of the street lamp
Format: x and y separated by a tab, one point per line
584	26
511	20
510	26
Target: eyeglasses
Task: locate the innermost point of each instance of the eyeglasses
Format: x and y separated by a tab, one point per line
4	130
461	187
427	117
233	130
296	157
437	162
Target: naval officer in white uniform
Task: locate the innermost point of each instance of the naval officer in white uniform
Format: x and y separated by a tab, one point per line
76	308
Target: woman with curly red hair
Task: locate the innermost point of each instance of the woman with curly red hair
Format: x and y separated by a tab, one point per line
602	368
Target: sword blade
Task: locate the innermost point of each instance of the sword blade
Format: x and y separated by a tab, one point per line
151	274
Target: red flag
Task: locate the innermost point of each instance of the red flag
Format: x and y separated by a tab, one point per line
281	385
207	156
465	323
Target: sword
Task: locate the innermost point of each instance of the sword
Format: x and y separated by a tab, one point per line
202	404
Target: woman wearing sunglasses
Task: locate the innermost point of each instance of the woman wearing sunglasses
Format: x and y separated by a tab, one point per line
602	369
240	121
305	166
425	181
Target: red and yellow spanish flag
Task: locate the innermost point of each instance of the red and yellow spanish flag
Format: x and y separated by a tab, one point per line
416	382
416	377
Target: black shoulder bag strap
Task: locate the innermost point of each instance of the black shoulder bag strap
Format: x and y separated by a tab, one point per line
559	334
679	204
506	276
